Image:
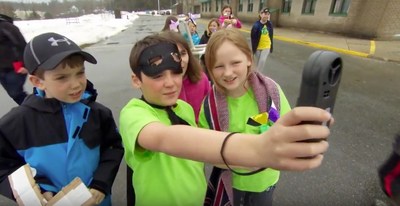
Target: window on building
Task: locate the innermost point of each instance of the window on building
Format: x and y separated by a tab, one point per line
261	6
286	6
340	7
228	2
250	6
240	9
209	6
216	5
309	6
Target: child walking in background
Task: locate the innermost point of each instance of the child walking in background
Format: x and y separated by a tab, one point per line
165	149
262	35
171	24
195	84
241	100
213	26
193	32
60	130
227	20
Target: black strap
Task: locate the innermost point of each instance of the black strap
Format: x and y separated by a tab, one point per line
175	119
227	165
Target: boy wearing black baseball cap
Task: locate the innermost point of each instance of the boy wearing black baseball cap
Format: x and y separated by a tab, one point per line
60	130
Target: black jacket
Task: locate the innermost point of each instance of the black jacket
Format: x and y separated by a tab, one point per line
12	45
204	39
38	132
255	35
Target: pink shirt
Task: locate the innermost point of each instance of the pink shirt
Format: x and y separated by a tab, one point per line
194	93
221	21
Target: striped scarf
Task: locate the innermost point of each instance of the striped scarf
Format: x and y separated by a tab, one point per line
266	92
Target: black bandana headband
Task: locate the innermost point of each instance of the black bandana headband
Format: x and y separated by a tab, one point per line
160	57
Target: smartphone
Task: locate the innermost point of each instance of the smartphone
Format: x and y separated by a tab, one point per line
320	82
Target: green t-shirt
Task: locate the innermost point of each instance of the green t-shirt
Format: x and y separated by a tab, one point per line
238	116
158	178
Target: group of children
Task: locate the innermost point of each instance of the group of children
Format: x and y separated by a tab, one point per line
261	33
242	124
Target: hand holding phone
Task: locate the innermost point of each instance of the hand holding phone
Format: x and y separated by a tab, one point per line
320	82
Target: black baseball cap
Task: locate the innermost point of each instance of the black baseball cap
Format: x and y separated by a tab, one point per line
47	50
265	10
160	57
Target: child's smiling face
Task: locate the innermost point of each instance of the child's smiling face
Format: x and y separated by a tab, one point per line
231	69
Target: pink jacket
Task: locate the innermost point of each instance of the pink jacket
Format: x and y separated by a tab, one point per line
221	21
194	93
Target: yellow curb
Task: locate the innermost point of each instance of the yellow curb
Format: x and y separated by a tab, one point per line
372	47
319	46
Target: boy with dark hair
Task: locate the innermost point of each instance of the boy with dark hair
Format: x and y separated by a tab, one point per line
60	130
166	151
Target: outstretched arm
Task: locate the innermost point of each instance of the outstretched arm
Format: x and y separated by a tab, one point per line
278	148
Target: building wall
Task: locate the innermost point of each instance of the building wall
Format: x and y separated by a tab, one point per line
389	26
320	20
365	18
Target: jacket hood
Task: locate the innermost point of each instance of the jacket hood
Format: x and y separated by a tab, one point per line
6	18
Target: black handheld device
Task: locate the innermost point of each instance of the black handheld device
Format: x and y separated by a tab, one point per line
320	82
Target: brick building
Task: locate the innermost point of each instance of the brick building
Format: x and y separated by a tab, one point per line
378	19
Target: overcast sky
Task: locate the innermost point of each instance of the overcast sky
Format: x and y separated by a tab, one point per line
26	1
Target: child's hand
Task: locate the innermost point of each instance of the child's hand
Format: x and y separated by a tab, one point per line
233	21
283	145
48	195
97	196
227	21
23	70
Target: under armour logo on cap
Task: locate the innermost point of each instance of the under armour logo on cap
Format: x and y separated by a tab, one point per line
47	50
54	42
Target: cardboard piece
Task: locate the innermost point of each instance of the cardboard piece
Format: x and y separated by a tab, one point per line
75	193
24	187
27	192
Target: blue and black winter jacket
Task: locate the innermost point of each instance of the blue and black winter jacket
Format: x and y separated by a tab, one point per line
61	141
